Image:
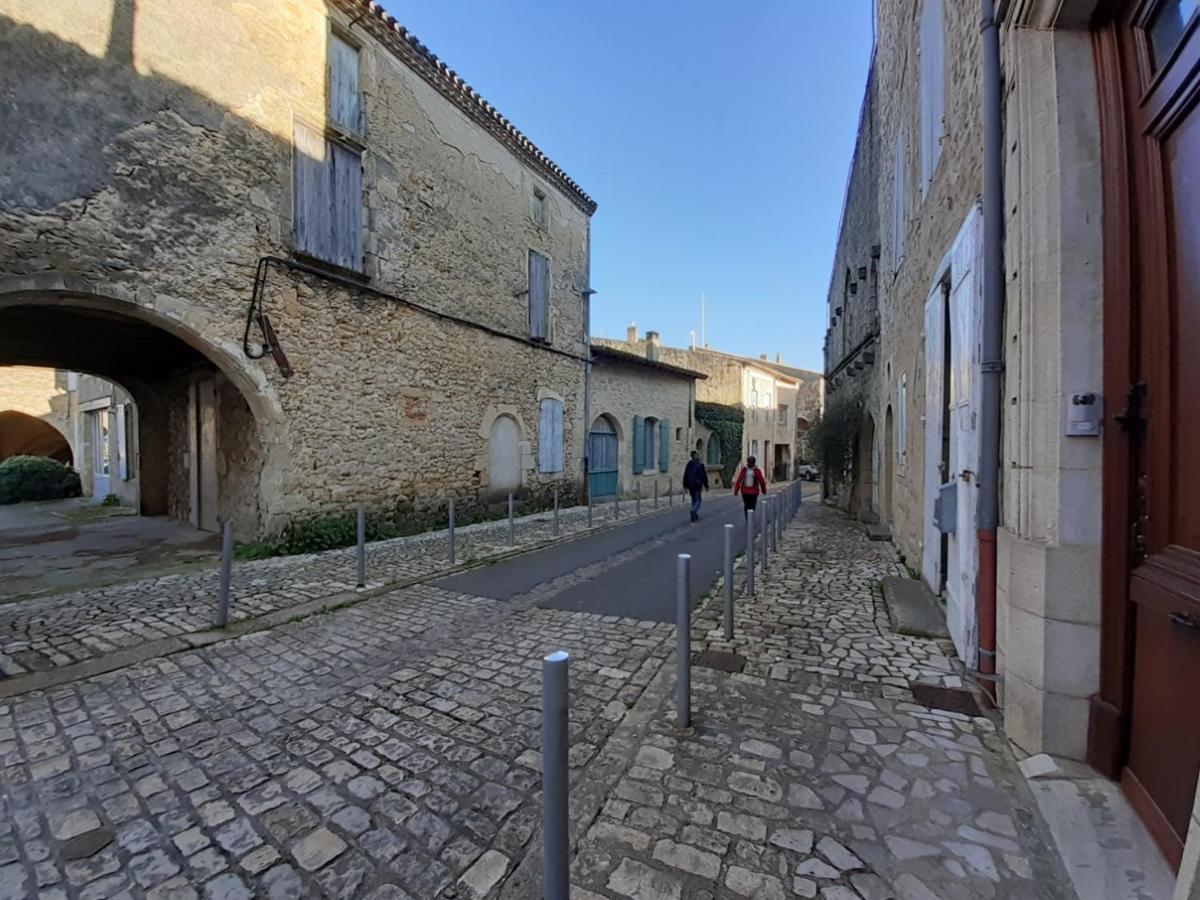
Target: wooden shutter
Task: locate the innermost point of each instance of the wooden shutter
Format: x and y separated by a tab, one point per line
664	445
122	442
899	216
932	94
639	444
344	97
539	296
347	237
313	203
550	436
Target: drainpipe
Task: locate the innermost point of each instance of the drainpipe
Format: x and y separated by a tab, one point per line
587	366
992	363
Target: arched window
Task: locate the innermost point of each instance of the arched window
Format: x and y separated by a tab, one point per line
712	454
504	455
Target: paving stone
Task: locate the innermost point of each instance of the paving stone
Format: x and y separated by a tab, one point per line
797	840
65	826
486	872
689	859
635	879
746	883
317	848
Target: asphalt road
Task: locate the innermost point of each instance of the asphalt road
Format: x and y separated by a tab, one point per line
642	586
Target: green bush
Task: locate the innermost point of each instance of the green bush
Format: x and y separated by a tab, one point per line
111	500
36	478
726	422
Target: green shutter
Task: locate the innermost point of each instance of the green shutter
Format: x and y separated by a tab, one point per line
664	445
639	444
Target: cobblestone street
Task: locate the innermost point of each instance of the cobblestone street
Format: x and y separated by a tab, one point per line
390	750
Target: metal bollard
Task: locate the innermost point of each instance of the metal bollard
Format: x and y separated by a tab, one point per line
670	494
773	515
512	530
656	493
728	582
589	509
450	532
556	512
362	546
555	838
226	573
750	553
765	558
637	501
683	641
617	504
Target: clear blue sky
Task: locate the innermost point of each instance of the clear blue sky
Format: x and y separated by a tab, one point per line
715	136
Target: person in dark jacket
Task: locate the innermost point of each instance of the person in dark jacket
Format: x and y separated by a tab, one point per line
750	483
695	482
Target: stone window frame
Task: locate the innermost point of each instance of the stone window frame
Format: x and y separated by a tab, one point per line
539	208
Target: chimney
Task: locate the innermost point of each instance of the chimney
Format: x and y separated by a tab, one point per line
631	333
779	358
765	357
653	345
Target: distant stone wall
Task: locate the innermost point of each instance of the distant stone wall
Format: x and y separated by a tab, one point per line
37	392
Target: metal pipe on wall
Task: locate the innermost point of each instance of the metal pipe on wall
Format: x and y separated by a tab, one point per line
992	363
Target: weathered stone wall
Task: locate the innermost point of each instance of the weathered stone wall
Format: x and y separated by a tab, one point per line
38	392
162	185
931	221
622	390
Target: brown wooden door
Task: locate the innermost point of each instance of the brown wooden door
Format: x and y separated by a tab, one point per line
1160	49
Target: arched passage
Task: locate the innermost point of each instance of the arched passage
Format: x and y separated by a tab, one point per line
25	435
208	423
889	459
865	469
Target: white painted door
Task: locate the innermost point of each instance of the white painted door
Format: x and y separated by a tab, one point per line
965	339
504	456
206	454
931	557
101	454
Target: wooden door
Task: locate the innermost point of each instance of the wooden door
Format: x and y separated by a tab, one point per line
935	349
1158	45
603	458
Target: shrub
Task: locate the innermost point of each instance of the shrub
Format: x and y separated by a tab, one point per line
111	500
36	478
726	422
832	438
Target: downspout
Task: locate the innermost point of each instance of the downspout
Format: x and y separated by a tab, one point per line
992	363
587	365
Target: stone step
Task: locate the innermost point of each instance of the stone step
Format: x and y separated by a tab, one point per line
912	609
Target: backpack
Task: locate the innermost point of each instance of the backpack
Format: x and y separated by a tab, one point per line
749	480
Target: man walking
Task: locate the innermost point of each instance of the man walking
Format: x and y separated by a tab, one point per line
695	482
750	483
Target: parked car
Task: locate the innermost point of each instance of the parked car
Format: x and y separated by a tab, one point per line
808	472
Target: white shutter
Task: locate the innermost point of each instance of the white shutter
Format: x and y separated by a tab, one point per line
550	436
899	215
344	103
347	237
122	443
932	89
902	419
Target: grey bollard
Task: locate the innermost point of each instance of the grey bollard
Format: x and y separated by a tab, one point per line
750	554
226	573
555	838
637	500
728	582
765	551
512	528
589	509
683	640
670	493
656	493
450	531
773	514
617	503
361	535
556	512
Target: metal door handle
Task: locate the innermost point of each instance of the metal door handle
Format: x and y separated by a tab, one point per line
1183	620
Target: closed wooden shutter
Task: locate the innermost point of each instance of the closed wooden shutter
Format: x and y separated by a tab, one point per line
328	209
344	97
539	296
550	436
639	444
122	442
313	204
932	95
347	237
664	445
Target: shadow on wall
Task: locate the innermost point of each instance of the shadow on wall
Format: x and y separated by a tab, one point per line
25	435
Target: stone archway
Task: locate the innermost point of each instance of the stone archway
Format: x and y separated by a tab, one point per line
889	459
864	475
25	435
182	371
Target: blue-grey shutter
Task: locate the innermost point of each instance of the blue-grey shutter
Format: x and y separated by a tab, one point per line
664	445
550	436
539	296
313	202
347	237
344	102
639	444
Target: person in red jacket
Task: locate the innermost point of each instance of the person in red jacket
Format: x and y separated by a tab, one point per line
750	483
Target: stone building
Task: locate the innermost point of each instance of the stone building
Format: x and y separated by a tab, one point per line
326	270
1094	601
770	396
643	426
35	416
